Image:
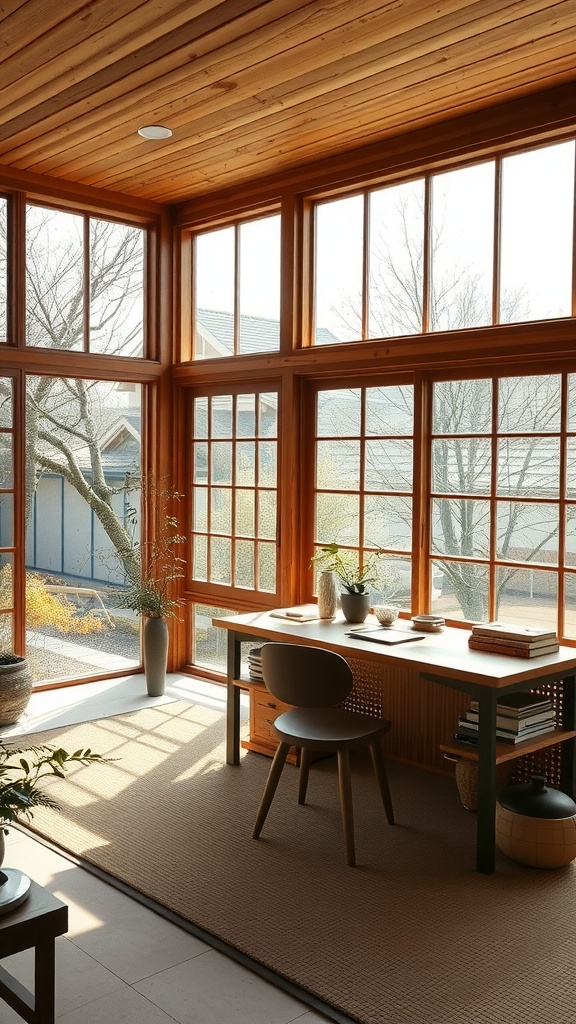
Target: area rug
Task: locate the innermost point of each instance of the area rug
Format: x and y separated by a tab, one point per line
413	935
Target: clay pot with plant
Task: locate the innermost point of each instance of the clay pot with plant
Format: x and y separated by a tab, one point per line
152	571
355	577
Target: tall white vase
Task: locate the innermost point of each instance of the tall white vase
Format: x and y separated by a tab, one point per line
327	594
155	643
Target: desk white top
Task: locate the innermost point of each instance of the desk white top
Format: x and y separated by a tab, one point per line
444	654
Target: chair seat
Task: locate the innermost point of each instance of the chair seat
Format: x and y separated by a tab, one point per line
328	728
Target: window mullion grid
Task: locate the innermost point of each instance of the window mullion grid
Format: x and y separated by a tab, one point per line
574	247
87	284
362	478
427	255
233	441
365	265
257	440
209	462
562	505
236	289
492	572
497	246
421	540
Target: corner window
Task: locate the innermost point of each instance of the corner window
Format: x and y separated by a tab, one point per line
84	283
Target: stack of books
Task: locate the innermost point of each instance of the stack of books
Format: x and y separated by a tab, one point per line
255	665
518	641
519	716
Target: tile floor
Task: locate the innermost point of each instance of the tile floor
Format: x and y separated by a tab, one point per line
119	962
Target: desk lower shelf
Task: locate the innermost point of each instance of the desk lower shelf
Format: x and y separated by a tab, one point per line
509	751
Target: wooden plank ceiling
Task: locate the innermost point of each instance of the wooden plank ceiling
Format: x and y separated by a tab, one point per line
251	89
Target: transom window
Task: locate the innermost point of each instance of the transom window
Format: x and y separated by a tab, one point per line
485	244
84	283
237	289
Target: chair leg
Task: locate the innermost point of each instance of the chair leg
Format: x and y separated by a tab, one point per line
382	779
305	758
274	774
345	783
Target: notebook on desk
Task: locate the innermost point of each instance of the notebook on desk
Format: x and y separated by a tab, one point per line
386	636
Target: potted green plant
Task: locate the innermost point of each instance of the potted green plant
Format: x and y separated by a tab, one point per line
152	569
22	770
355	577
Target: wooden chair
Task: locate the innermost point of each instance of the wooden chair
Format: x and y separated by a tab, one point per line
314	681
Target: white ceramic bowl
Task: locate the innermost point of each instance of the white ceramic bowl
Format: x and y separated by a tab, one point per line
429	623
385	613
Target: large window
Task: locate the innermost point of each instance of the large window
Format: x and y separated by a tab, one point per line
493	487
82	483
234	491
364	456
84	283
237	289
234	531
486	244
503	499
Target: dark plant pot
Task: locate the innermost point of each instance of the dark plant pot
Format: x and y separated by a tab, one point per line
155	642
355	607
15	687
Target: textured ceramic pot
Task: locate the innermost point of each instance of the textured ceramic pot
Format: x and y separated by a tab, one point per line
355	607
327	594
536	825
15	687
155	643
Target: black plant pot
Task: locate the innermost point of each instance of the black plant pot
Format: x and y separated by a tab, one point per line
355	607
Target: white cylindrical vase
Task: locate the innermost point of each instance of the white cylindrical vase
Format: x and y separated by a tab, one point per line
327	594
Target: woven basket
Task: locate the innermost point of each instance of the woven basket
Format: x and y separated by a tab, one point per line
15	688
466	774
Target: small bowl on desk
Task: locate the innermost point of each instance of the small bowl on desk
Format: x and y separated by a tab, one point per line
429	623
386	613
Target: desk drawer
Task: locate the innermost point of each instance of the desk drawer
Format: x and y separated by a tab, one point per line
264	709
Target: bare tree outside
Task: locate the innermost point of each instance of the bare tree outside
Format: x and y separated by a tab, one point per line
526	447
84	292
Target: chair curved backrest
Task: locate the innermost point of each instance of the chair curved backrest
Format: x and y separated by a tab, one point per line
306	677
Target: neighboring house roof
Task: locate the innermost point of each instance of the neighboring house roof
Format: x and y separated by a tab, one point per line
257	333
124	427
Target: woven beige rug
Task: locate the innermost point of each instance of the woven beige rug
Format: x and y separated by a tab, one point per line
413	935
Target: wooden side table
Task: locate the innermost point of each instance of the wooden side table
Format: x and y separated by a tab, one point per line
33	925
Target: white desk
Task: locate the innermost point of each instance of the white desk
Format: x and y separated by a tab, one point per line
443	658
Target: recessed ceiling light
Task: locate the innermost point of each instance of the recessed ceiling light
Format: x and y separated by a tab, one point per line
154	131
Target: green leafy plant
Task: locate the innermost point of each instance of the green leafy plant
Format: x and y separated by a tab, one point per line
22	770
355	576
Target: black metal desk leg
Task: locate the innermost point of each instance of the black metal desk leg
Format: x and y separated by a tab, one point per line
568	758
44	972
233	699
486	824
